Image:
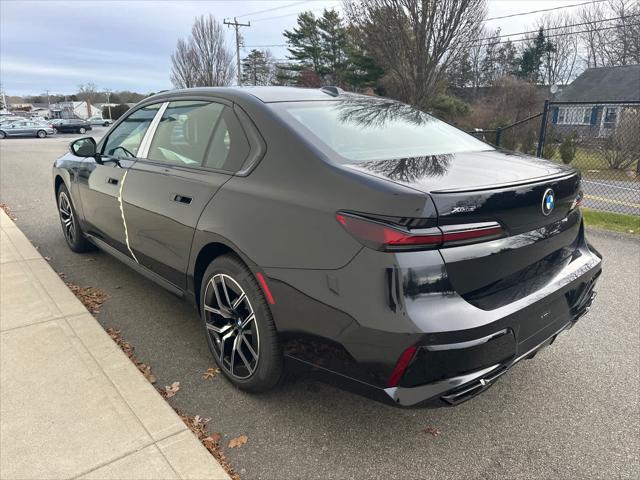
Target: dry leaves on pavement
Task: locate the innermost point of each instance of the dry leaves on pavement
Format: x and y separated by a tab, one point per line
170	390
7	210
91	297
432	431
238	441
127	348
210	373
199	427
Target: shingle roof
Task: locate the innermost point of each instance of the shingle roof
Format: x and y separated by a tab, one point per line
606	84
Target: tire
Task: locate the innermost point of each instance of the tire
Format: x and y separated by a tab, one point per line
242	339
105	124
82	130
2	134
41	134
69	222
55	131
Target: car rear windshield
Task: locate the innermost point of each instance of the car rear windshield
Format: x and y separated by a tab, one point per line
361	129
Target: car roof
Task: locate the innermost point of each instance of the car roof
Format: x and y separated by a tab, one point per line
264	94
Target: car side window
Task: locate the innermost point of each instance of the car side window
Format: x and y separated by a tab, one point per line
183	133
126	138
229	146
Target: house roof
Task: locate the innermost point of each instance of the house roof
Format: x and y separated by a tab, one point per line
606	84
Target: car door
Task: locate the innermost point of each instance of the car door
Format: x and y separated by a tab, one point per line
17	129
193	152
100	181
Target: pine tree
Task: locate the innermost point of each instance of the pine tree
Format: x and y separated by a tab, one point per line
532	57
305	43
258	68
333	44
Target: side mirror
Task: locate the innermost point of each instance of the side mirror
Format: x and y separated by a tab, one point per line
83	147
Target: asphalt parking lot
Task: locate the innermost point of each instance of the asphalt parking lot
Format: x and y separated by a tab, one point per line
572	412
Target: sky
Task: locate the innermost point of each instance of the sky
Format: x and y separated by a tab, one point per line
127	44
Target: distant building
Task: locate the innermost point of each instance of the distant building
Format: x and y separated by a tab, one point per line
598	100
81	110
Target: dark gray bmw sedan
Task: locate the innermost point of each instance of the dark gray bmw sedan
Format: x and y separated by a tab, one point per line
345	236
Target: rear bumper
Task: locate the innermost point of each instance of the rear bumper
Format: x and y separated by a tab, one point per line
461	349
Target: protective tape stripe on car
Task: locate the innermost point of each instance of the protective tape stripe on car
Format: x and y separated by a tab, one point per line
124	221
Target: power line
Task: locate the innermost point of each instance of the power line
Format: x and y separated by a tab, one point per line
553	28
555	35
291	14
543	10
272	9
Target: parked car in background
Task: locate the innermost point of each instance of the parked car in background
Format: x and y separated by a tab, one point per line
97	120
26	128
73	125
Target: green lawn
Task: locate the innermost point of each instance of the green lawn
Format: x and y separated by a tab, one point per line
617	222
592	164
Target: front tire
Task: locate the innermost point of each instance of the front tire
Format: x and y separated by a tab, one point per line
82	130
239	327
41	134
69	221
2	134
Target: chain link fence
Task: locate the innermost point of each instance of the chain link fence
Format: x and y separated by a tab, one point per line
600	139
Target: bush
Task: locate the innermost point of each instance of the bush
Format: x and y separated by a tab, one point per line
116	112
622	148
549	151
568	149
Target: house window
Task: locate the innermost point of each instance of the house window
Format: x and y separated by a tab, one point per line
574	116
610	116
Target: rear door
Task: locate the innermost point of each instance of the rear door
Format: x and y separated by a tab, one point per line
100	184
195	148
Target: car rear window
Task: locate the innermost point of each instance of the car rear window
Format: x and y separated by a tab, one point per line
361	129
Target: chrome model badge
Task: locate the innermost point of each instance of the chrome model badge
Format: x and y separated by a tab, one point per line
548	201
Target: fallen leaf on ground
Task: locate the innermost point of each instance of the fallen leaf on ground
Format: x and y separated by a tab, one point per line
210	373
238	441
210	442
48	259
432	431
8	211
171	390
128	349
91	297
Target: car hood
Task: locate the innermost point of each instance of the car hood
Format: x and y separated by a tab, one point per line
463	171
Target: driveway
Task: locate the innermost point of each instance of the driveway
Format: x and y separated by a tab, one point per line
572	412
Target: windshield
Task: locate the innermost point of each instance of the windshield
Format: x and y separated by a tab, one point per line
361	129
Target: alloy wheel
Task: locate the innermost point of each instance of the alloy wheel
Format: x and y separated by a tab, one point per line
231	324
66	217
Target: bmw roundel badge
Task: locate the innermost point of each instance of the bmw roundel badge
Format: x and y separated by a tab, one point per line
548	201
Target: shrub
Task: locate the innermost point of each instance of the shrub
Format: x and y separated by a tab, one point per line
549	151
568	149
622	148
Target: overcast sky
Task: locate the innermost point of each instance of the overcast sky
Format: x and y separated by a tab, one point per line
126	44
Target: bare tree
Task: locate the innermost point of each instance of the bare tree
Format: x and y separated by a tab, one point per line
415	41
88	92
203	59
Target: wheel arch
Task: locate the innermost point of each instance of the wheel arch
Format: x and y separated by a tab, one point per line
205	249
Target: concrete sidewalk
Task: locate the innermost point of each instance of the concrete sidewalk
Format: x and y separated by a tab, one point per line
72	405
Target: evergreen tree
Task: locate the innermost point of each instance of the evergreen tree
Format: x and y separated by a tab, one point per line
305	43
333	45
532	57
258	68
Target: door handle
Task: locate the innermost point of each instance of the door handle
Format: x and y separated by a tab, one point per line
182	199
112	181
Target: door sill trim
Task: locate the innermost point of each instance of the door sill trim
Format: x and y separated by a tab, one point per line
154	277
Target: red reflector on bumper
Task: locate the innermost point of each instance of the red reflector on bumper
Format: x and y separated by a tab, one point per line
401	365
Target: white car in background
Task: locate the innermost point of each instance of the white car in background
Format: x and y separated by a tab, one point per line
105	122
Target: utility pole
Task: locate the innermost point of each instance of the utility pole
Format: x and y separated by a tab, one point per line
108	93
237	26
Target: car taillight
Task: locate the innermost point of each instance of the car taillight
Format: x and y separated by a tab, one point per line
384	237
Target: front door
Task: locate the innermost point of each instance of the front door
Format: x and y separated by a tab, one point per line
188	160
100	183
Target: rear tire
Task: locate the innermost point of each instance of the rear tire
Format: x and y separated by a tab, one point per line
239	326
41	134
82	130
69	221
2	134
